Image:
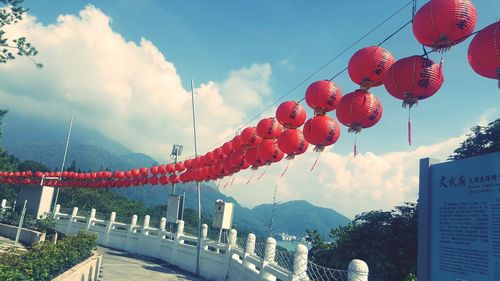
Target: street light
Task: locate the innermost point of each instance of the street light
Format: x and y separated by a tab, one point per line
176	152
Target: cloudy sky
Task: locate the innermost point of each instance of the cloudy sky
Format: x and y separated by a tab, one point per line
124	68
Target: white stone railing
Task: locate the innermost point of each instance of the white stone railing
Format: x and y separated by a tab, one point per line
218	261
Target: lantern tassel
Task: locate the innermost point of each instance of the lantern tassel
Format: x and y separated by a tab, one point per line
286	169
218	185
225	185
409	126
315	162
355	145
263	173
232	180
251	177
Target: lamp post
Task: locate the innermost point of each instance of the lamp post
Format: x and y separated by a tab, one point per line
198	247
176	152
62	166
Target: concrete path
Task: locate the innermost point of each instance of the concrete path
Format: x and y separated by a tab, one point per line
117	265
7	244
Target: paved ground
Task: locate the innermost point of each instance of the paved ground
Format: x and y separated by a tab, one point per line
118	265
6	243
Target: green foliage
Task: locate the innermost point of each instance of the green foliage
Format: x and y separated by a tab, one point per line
45	223
11	13
46	260
386	241
482	140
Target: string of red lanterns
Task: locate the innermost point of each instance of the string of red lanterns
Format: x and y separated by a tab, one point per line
438	24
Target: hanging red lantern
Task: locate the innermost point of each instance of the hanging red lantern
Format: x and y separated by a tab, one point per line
484	52
144	171
292	142
238	159
162	169
253	158
154	170
135	172
187	163
270	152
179	167
169	168
250	138
440	24
323	96
153	180
218	154
413	78
227	148
209	158
359	110
269	128
321	131
368	66
237	143
291	114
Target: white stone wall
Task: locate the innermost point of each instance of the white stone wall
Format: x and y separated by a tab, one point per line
218	261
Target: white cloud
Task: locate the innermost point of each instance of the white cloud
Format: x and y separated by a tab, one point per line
287	63
128	91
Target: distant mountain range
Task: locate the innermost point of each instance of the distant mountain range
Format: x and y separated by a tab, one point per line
92	151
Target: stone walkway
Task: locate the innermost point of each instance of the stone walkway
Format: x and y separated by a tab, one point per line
6	243
118	265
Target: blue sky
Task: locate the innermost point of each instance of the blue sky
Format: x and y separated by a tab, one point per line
268	46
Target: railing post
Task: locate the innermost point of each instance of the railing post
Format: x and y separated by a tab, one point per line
70	220
231	239
109	226
180	231
204	231
56	211
3	205
131	231
358	271
163	223
269	254
300	263
145	225
249	250
90	219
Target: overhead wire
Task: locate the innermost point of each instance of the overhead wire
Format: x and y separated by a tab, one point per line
350	46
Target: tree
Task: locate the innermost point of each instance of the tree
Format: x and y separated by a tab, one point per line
385	240
482	140
10	13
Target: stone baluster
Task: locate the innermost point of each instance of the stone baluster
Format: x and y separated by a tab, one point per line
269	255
358	271
90	219
249	250
300	263
145	226
204	231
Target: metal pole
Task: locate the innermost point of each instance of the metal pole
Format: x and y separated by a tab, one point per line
21	220
64	161
198	247
272	214
173	184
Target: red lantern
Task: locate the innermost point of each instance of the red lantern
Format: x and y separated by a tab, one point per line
323	96
237	143
187	163
135	172
269	128
238	160
218	154
368	66
163	180
143	171
484	52
292	142
250	138
209	158
291	114
441	24
227	148
154	170
270	152
179	167
253	158
169	168
359	110
162	169
321	131
412	79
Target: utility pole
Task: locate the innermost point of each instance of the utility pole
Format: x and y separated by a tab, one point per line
63	162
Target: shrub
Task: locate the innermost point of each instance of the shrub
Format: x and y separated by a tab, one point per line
46	260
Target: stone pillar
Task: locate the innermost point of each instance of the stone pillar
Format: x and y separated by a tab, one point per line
109	227
204	231
56	211
358	271
70	220
3	205
90	219
269	254
145	225
180	227
163	224
231	239
249	250
300	263
131	231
